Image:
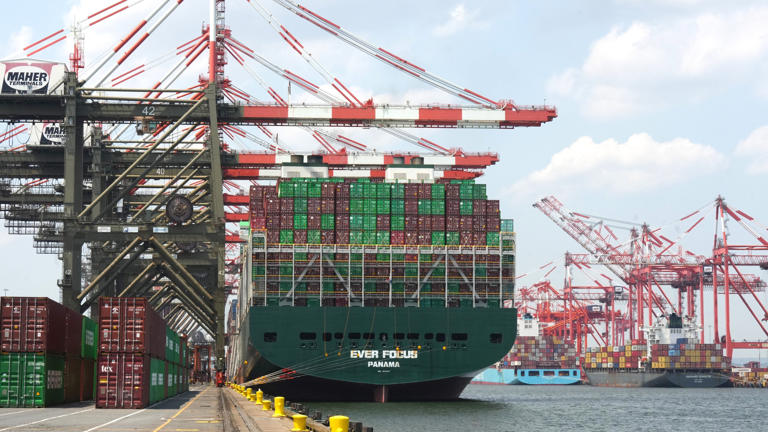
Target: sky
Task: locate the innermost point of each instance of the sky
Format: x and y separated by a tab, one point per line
661	103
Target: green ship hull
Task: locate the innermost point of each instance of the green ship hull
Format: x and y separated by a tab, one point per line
371	353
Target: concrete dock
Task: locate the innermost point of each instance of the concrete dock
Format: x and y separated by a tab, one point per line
202	409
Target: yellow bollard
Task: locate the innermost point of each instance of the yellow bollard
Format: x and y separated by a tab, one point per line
279	407
299	423
259	397
266	405
339	423
248	394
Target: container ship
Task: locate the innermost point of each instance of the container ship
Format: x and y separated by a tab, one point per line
360	290
671	358
535	359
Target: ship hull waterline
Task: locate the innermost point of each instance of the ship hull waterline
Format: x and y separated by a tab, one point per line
372	353
682	379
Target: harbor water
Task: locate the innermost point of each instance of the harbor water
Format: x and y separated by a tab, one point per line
497	408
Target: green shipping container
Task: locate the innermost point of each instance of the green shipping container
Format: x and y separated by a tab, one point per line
299	205
382	206
369	190
172	346
425	206
467	191
301	190
398	191
356	237
356	222
369	237
397	223
397	206
438	191
313	237
89	339
465	207
157	380
286	236
327	221
438	207
492	239
29	380
452	238
382	237
369	222
356	206
356	190
383	190
314	191
286	190
479	192
170	384
438	237
299	221
508	225
369	206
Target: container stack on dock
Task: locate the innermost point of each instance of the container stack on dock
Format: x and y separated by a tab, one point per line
48	353
679	356
536	352
301	212
140	358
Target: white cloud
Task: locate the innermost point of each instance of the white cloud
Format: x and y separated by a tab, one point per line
755	146
460	19
646	65
17	42
639	164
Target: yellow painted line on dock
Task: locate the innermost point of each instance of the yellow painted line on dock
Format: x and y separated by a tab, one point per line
187	405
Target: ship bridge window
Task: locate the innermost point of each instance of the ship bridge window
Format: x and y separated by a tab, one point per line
428	336
399	336
564	373
413	336
533	373
354	335
270	337
307	336
549	373
459	336
440	337
326	336
496	338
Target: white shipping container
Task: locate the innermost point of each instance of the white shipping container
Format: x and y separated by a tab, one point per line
30	77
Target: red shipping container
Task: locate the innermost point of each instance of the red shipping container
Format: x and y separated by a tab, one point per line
411	237
39	324
492	207
273	236
273	222
272	205
493	223
478	223
411	191
327	205
425	237
123	380
425	191
465	223
411	223
342	236
286	221
452	191
479	207
286	205
259	223
397	237
314	205
342	190
452	223
328	190
382	222
300	236
438	223
129	325
314	222
466	237
425	224
452	207
328	237
342	222
342	205
411	206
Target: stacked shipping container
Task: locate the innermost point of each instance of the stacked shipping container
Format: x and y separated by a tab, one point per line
48	353
335	211
140	358
678	356
532	352
439	243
